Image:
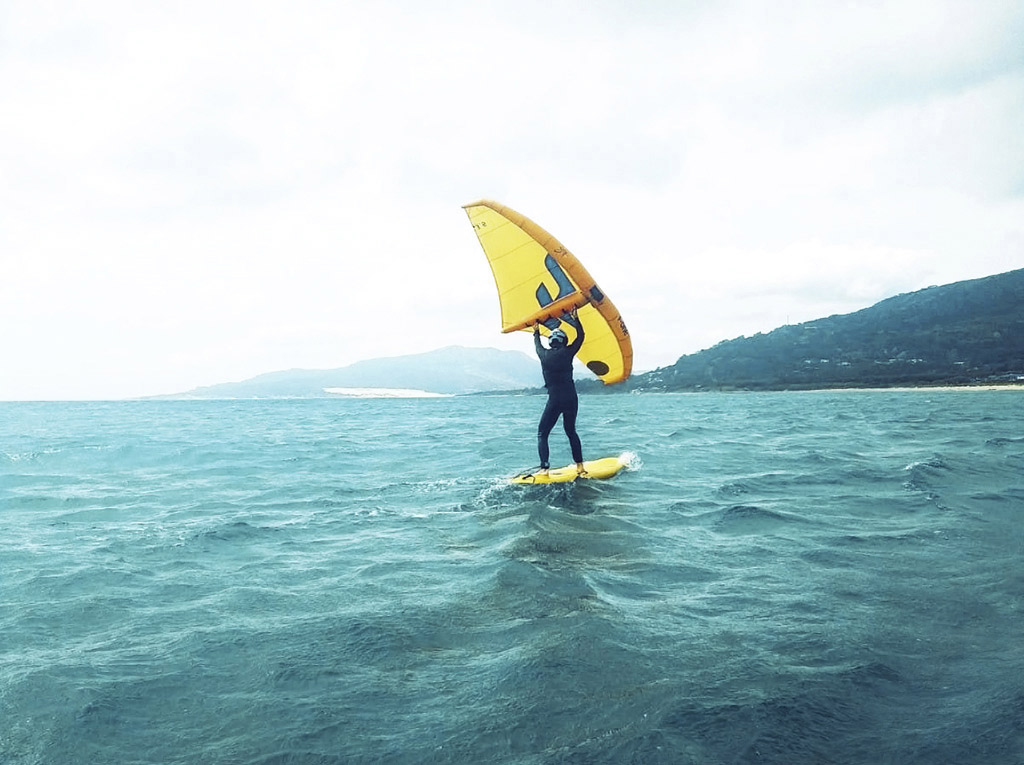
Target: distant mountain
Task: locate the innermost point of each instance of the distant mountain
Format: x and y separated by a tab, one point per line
966	332
451	370
961	333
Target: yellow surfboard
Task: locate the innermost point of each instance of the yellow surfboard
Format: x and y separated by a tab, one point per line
602	468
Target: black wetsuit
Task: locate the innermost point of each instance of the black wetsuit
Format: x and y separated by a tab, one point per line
556	364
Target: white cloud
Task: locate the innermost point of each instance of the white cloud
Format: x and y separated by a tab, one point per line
204	191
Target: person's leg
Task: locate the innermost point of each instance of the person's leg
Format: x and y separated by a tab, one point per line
547	422
569	412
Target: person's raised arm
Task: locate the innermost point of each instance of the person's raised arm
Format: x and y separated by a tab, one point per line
580	334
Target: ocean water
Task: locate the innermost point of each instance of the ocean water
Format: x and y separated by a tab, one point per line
779	578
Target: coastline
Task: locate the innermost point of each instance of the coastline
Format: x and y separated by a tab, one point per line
383	393
905	388
850	389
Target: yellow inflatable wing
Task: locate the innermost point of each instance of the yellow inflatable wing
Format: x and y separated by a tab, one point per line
539	280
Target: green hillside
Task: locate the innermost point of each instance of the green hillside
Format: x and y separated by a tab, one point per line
961	333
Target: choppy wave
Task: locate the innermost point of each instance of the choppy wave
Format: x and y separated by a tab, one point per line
777	578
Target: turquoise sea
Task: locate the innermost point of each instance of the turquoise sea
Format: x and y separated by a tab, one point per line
780	578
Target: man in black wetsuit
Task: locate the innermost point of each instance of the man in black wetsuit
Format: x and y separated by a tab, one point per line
556	364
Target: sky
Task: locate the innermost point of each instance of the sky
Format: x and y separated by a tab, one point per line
199	192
